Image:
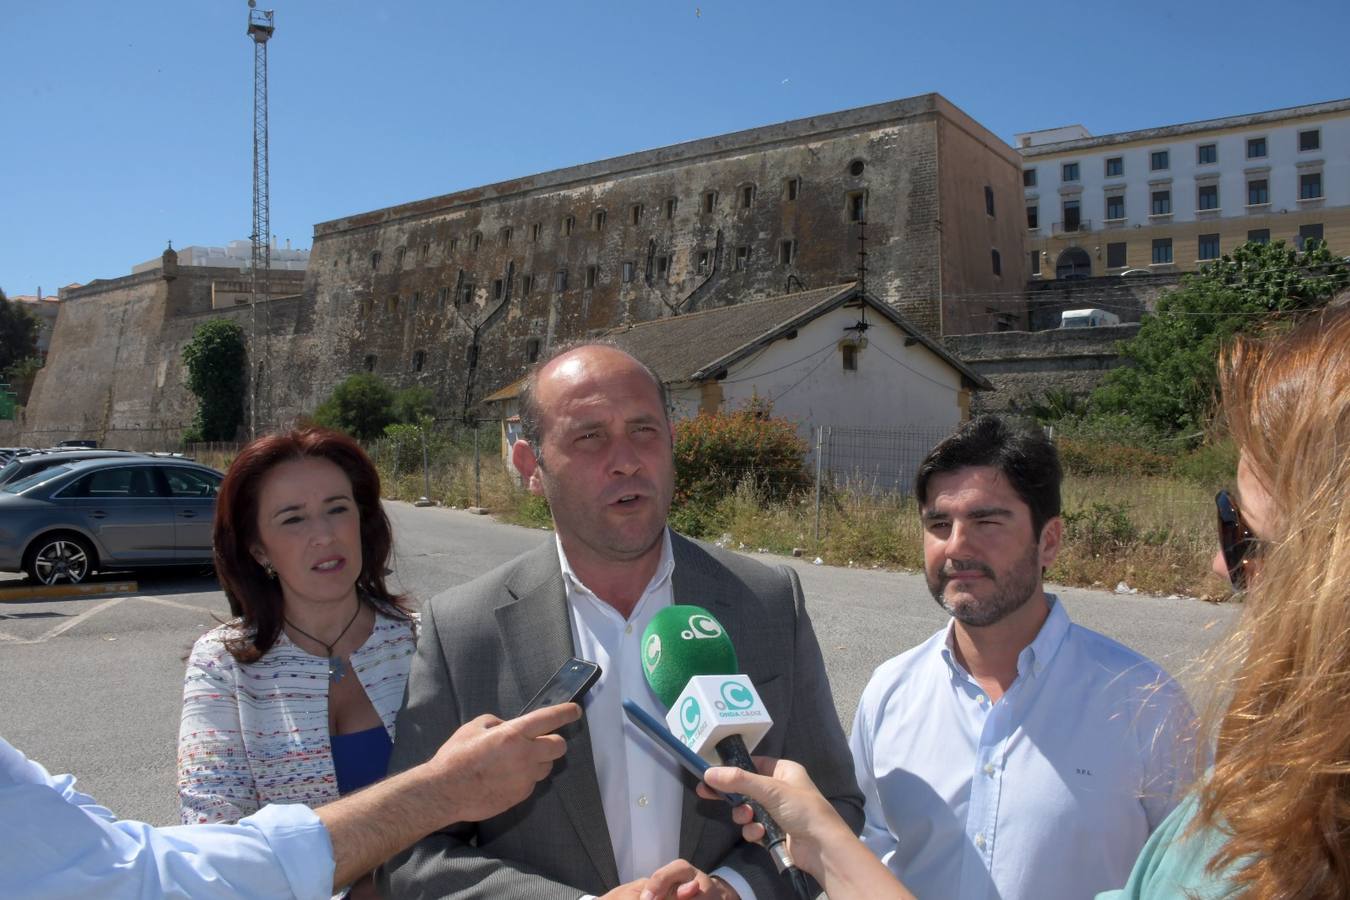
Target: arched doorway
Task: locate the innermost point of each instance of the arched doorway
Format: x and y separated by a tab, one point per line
1073	263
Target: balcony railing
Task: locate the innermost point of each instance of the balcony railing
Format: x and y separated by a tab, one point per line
1071	227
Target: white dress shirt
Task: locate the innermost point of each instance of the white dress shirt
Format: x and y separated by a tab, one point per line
1048	793
640	786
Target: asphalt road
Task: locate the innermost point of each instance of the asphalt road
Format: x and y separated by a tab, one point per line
93	686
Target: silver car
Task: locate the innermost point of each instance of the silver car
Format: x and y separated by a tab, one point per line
66	521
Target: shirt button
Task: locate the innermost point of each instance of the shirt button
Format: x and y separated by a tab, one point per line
642	800
979	841
989	768
628	629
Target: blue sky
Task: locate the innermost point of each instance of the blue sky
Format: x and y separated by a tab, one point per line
127	124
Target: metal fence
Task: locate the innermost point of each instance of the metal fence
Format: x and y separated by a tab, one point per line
872	461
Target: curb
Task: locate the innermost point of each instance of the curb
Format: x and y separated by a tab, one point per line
60	591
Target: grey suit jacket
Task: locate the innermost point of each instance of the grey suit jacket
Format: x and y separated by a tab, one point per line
487	646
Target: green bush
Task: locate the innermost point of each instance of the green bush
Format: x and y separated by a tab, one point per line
1210	465
214	360
1080	457
715	453
361	405
1100	528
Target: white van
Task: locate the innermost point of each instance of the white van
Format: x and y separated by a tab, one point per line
1087	318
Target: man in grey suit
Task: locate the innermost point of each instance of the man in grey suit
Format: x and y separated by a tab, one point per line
617	818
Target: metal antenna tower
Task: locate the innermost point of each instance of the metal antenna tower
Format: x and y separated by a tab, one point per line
260	28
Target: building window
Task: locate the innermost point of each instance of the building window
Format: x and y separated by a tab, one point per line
526	285
1115	207
532	350
1158	160
662	266
1310	139
671	203
787	252
399	255
598	220
996	261
747	196
367	306
988	200
709	201
628	271
849	356
419	359
466	292
857	206
535	230
635	214
1162	203
1115	166
1035	262
592	273
475	241
442	296
1258	192
417	300
1206	154
1308	233
1033	217
1073	215
370	363
375	260
1069	172
1207	196
504	236
792	187
560	280
1115	255
1162	251
422	254
1310	186
1028	178
704	259
742	257
1259	236
452	246
498	288
1256	148
391	305
1208	247
568	223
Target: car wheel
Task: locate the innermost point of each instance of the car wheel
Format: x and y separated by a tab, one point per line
60	558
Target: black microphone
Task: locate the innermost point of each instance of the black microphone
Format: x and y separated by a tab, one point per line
690	664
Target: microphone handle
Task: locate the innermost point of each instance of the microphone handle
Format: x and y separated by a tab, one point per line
732	751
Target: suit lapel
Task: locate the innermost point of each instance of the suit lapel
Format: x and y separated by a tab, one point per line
694	584
537	637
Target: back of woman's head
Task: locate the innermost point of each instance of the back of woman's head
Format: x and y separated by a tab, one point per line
255	598
1281	779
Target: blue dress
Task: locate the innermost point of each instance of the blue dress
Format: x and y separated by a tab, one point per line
361	758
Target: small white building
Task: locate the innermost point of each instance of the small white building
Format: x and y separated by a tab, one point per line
834	357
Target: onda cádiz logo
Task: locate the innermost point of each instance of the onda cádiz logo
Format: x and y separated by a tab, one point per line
651	653
736	695
701	626
691	717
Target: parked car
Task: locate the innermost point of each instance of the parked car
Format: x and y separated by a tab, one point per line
81	443
25	465
67	521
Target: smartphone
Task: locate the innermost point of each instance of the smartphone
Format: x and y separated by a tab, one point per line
568	685
657	731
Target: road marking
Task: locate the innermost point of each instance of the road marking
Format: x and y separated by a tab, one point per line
64	626
172	603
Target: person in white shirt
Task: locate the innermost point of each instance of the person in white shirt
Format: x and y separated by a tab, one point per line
619	818
1013	754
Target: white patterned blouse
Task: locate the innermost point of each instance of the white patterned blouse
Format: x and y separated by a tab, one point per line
257	733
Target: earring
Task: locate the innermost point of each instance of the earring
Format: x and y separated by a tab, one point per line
271	572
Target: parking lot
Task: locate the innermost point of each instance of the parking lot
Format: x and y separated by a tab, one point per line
92	685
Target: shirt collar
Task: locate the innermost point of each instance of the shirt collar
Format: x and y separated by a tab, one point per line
576	588
1036	656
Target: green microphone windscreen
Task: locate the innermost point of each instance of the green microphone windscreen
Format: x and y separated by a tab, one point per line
681	642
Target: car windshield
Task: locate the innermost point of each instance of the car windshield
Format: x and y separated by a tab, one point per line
7	472
23	484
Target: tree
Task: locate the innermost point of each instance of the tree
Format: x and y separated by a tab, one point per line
18	334
361	405
414	404
1169	382
214	359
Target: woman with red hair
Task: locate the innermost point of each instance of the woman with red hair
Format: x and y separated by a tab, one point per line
294	700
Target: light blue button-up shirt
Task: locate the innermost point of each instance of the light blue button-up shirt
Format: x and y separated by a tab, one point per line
56	842
1048	793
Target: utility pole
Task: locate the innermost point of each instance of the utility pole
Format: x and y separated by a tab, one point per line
260	28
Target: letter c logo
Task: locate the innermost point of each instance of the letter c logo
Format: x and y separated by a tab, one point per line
701	626
737	695
691	716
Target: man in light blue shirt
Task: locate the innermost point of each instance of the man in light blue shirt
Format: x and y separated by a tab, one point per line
1013	754
56	842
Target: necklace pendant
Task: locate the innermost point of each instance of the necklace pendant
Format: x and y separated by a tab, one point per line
336	669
